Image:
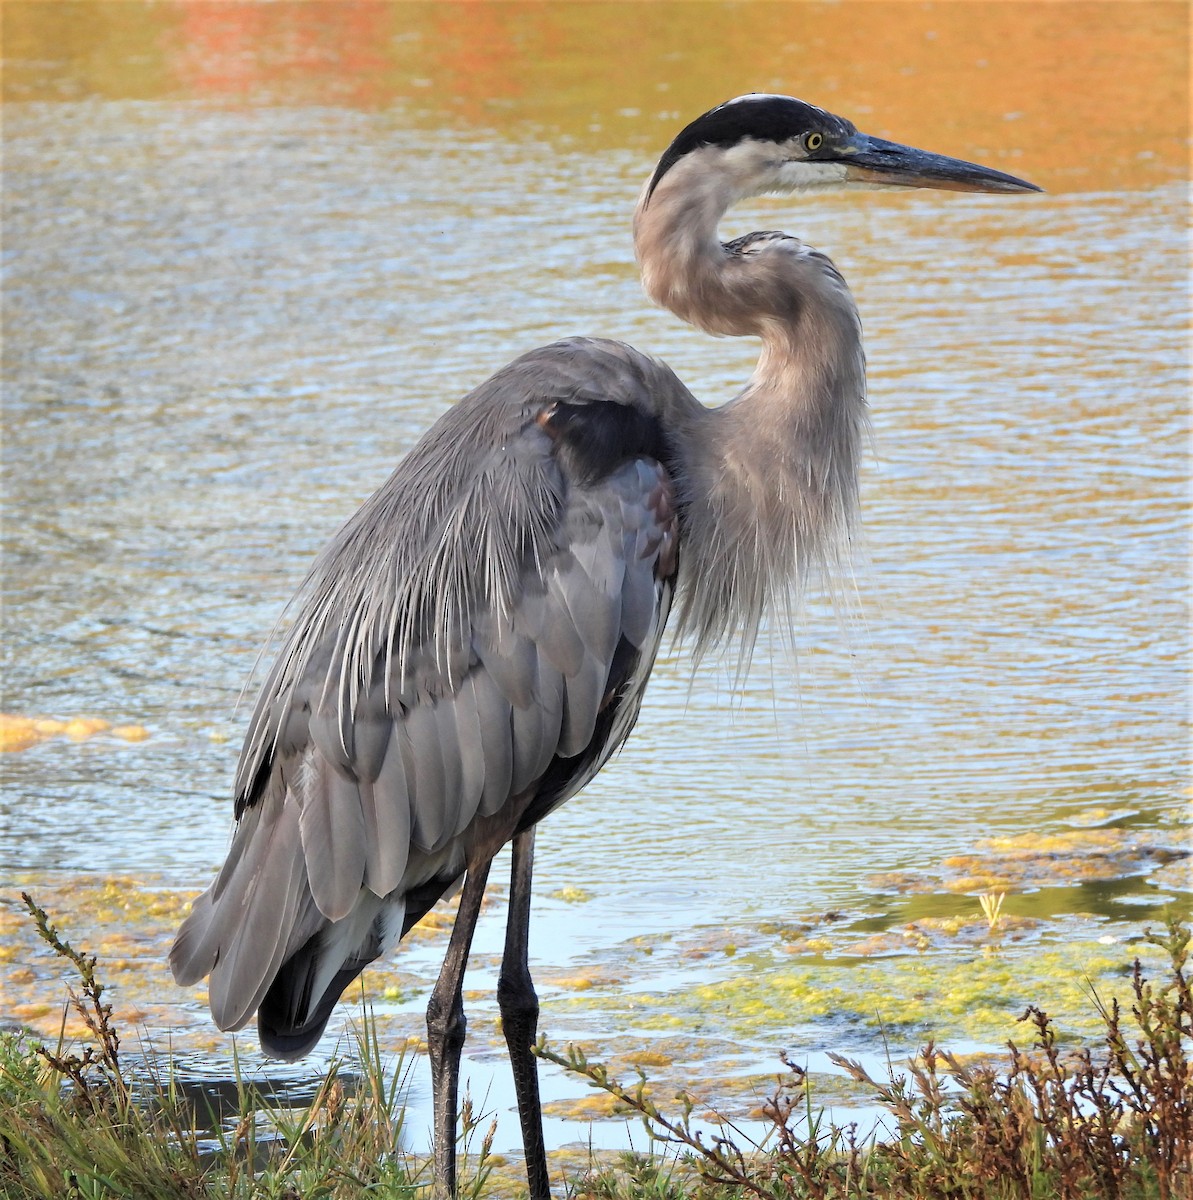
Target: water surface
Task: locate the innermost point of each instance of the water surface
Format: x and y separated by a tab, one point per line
232	303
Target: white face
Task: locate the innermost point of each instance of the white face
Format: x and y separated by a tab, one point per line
761	167
797	175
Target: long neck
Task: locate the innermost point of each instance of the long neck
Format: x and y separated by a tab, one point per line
769	480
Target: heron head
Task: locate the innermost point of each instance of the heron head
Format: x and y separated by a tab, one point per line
768	143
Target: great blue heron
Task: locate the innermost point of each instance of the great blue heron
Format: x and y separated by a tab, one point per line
475	641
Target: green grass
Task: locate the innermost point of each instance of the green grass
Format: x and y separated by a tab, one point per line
73	1126
1108	1122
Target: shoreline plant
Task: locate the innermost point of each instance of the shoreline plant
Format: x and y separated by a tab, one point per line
1106	1122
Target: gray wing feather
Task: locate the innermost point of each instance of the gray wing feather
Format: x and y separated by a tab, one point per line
262	912
536	729
561	645
433	810
511	660
583	697
388	819
456	811
493	713
468	742
334	738
375	861
594	610
639	596
466	791
484	615
333	834
372	728
596	550
442	803
553	632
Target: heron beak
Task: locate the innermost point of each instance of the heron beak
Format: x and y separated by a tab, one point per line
872	160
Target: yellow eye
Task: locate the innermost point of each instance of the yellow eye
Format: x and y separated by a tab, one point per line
813	141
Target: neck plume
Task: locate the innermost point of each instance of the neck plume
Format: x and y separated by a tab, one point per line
768	481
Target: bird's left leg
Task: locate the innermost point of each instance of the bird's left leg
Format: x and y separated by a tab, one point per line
519	1016
445	1030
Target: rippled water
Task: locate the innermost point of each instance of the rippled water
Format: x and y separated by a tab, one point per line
223	328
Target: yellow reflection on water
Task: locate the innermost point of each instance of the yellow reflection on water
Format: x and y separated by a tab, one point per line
1079	96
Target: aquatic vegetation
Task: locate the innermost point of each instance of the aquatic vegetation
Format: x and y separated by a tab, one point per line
707	1005
1020	862
716	1002
947	979
130	923
20	733
571	895
1116	1123
992	907
973	997
1113	1121
127	922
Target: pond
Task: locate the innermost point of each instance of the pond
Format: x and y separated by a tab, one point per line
251	252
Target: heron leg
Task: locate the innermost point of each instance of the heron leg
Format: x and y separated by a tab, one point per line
519	1015
445	1030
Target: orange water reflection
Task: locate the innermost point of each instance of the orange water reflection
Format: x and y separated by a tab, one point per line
1079	96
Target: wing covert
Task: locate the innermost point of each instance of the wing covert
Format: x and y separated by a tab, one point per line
490	659
462	749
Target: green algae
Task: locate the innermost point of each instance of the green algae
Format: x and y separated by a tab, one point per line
571	895
703	1008
976	997
1092	851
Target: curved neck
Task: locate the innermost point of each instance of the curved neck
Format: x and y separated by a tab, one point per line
769	286
680	257
770	479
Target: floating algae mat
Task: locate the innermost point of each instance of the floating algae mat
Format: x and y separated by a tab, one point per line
1029	860
707	1009
22	732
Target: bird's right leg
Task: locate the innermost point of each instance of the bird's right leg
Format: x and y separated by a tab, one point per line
520	1013
445	1030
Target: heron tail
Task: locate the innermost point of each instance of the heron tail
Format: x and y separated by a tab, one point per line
259	934
296	1007
254	916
